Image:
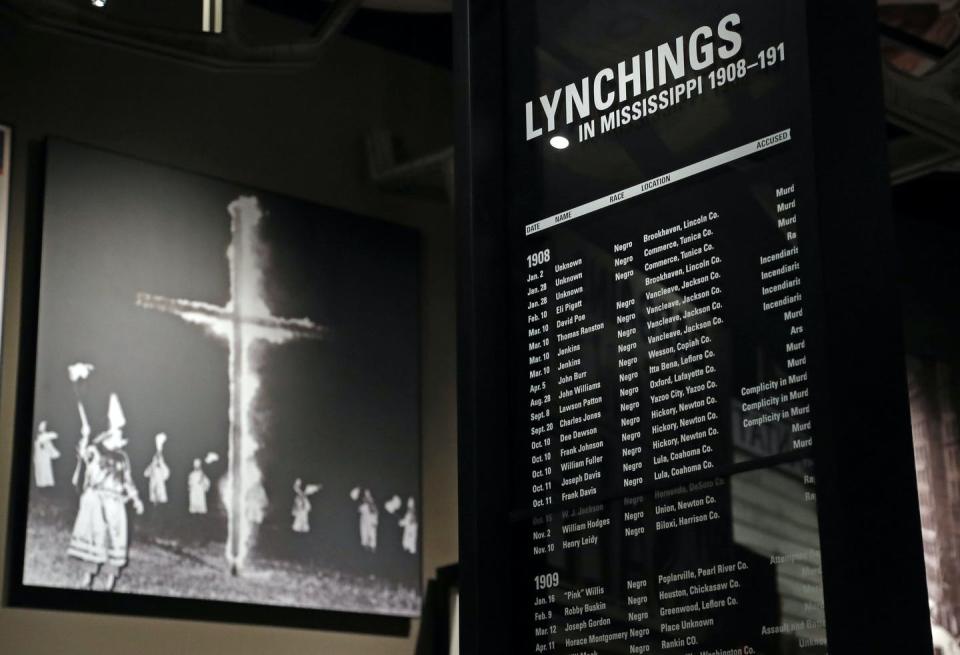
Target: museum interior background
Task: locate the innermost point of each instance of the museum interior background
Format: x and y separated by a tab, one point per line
333	130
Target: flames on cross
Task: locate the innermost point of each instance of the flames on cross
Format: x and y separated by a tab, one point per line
244	320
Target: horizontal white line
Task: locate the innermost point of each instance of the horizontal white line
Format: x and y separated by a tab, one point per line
659	182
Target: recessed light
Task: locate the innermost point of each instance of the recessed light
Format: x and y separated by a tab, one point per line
99	3
560	142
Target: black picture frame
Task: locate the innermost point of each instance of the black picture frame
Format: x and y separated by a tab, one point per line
874	584
15	593
6	164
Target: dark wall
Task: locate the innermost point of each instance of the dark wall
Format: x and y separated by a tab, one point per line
299	134
928	237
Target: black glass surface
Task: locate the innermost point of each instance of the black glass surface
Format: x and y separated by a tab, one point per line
664	319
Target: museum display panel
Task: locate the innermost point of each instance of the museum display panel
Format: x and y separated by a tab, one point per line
663	332
215	425
669	406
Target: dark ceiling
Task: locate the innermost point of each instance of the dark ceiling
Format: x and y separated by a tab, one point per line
426	36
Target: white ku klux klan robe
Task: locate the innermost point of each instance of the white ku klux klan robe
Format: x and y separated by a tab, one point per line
198	485
410	529
158	473
100	534
301	513
369	518
44	452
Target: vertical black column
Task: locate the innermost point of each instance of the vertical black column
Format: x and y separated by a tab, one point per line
872	550
481	316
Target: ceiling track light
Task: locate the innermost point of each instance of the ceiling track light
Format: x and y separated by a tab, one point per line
213	16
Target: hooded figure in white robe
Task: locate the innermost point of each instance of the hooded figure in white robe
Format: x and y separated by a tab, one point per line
302	505
198	484
410	527
158	473
100	533
44	452
369	519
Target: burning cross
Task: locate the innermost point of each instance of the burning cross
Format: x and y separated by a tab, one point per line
242	322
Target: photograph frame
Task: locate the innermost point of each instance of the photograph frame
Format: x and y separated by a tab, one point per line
6	161
18	594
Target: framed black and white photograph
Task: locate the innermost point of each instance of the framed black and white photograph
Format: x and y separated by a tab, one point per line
221	402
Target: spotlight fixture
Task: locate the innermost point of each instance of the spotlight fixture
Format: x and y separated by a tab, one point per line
213	16
560	142
99	3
